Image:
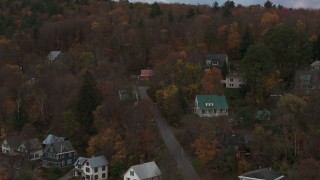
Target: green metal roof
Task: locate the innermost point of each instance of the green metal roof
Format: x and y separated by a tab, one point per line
212	101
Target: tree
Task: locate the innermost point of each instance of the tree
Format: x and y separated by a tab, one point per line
257	65
227	8
211	82
290	50
316	48
206	148
190	13
246	41
215	6
234	37
87	102
268	4
155	10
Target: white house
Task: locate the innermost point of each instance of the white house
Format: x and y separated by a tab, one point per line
146	171
31	148
234	80
10	145
315	65
95	168
54	55
261	174
211	106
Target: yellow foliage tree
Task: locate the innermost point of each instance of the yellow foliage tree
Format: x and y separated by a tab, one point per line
234	37
108	142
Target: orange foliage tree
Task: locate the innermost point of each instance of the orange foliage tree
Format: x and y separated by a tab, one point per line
206	148
211	82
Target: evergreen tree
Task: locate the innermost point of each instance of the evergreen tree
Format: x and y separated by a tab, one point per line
268	4
20	119
246	41
316	48
155	10
87	103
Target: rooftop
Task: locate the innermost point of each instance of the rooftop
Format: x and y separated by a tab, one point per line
212	101
263	174
146	170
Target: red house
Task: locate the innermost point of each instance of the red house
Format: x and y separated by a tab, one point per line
145	75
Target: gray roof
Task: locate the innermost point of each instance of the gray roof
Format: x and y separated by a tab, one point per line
52	138
14	141
247	138
146	170
316	63
80	161
32	144
221	57
53	55
59	147
265	174
97	161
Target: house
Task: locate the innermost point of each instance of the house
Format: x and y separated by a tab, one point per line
145	75
59	154
128	94
31	148
263	114
315	65
216	60
10	145
261	174
234	80
52	138
94	168
211	106
54	55
144	171
307	80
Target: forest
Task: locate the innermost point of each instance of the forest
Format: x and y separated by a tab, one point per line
106	43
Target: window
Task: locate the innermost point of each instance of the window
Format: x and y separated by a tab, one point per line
103	175
231	79
128	178
87	177
103	168
87	169
203	111
96	177
131	173
69	161
95	169
79	166
87	163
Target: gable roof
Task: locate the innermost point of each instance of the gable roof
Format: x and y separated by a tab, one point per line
265	174
60	147
80	161
32	144
97	161
52	138
219	57
316	63
212	101
146	170
13	141
53	55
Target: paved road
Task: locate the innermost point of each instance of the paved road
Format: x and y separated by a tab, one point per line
171	142
67	176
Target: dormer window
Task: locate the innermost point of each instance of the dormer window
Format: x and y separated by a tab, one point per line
131	173
209	104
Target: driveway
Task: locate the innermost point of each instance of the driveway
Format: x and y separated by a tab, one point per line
67	176
171	142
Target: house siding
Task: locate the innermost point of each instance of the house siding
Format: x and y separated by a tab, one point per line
59	160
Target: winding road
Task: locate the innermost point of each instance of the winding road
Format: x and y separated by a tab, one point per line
171	142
